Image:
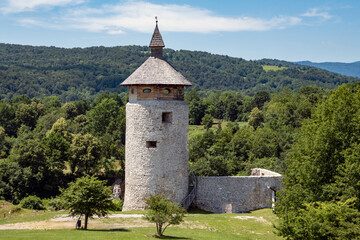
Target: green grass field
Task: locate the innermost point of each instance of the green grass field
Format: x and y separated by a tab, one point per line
197	129
198	225
272	68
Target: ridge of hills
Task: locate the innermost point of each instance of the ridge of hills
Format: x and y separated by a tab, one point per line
82	73
348	69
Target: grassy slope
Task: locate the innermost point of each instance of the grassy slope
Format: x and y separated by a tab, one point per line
272	68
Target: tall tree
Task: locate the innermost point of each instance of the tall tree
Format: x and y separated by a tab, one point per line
320	157
86	154
87	196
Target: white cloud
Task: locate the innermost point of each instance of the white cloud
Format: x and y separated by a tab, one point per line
15	6
139	16
316	12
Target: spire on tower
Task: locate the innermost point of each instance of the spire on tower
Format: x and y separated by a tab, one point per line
156	43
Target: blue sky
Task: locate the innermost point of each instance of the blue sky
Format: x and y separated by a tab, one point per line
315	30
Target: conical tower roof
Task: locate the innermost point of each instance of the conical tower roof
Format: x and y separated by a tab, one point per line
156	40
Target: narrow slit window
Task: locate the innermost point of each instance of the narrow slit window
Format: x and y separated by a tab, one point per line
151	144
167	117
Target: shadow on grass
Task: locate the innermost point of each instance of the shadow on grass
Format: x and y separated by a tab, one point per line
168	237
110	230
198	211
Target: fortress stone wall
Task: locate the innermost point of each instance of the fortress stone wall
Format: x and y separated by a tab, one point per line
156	151
237	194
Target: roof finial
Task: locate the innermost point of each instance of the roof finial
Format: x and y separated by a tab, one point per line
156	20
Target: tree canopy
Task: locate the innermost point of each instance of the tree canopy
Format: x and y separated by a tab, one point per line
87	196
163	212
323	169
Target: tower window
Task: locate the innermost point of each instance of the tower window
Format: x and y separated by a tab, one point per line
146	90
132	91
166	90
151	144
167	117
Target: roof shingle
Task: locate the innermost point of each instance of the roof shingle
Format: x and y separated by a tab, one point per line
156	71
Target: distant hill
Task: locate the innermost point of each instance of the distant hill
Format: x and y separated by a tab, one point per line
347	69
82	73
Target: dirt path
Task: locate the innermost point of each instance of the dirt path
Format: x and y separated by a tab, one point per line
66	222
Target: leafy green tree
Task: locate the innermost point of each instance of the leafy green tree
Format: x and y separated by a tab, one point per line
60	126
87	196
256	118
86	153
16	182
28	114
320	158
57	150
7	118
2	142
231	112
196	111
191	96
51	103
102	115
207	121
70	110
163	213
260	98
323	220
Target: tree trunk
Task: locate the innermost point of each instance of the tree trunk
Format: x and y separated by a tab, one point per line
159	230
86	221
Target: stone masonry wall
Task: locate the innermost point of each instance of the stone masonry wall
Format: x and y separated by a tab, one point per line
155	170
236	194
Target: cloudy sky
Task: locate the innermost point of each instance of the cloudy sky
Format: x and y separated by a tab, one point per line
315	30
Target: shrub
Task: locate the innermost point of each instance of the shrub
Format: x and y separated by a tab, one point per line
56	204
53	204
118	205
32	202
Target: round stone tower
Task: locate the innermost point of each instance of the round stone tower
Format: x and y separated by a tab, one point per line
156	152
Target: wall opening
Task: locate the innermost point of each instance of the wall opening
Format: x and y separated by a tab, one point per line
151	144
147	90
167	117
228	208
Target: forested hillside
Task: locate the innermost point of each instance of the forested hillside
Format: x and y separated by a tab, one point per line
74	74
348	69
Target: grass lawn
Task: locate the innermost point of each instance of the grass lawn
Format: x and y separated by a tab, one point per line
198	225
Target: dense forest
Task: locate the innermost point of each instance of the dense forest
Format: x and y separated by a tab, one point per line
46	143
82	74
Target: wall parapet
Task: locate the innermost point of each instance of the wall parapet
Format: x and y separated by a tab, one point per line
236	194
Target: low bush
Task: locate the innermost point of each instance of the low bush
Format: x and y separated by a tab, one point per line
118	205
32	202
